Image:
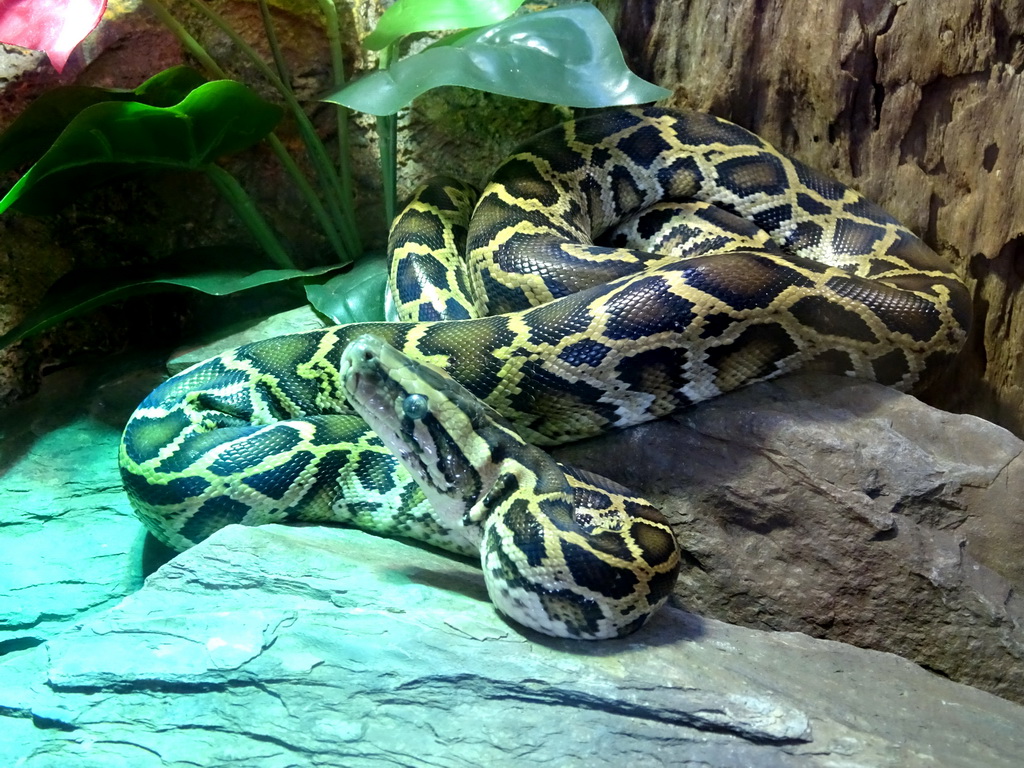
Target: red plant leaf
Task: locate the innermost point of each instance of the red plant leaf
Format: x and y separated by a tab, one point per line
54	26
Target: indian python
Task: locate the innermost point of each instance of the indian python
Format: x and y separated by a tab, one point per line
557	327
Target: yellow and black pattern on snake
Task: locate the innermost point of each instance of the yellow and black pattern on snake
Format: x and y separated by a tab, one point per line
429	276
563	551
264	433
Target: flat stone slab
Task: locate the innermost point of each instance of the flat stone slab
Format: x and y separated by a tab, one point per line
325	647
280	646
69	541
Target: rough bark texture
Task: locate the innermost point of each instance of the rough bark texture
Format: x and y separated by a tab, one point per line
920	105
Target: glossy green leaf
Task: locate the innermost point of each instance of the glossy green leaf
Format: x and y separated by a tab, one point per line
79	292
565	55
170	87
34	130
355	296
407	17
114	138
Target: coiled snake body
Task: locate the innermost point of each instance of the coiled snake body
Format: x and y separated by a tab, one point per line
562	337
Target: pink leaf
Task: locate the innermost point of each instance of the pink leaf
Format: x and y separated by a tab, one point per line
54	26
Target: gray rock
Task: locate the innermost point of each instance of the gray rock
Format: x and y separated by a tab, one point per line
69	541
283	646
845	510
310	646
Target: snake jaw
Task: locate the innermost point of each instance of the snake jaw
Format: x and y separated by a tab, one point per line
405	402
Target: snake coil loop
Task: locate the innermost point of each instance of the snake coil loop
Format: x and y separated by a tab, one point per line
618	268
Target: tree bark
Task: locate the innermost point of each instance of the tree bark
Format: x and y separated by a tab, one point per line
918	104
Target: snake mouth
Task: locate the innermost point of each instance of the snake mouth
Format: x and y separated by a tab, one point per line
359	361
369	382
395	396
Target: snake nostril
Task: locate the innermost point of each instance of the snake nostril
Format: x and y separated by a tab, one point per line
365	353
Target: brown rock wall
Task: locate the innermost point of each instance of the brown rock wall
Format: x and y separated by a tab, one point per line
918	104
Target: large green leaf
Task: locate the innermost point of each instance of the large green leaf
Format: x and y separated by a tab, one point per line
565	55
34	130
407	17
355	296
113	138
78	292
170	87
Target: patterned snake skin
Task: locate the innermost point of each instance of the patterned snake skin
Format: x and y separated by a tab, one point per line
558	326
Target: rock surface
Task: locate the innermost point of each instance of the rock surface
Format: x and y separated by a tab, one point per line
292	647
69	542
919	105
844	510
863	516
329	647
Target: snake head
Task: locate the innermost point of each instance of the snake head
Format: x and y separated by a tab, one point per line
427	420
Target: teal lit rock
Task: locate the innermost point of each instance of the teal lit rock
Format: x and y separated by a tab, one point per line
70	544
311	646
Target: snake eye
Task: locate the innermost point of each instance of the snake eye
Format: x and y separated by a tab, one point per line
415	406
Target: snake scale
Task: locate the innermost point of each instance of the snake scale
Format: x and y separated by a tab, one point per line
595	292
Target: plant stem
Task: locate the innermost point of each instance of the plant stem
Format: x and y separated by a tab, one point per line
247	212
275	49
332	28
322	216
327	224
387	135
190	43
339	208
286	159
